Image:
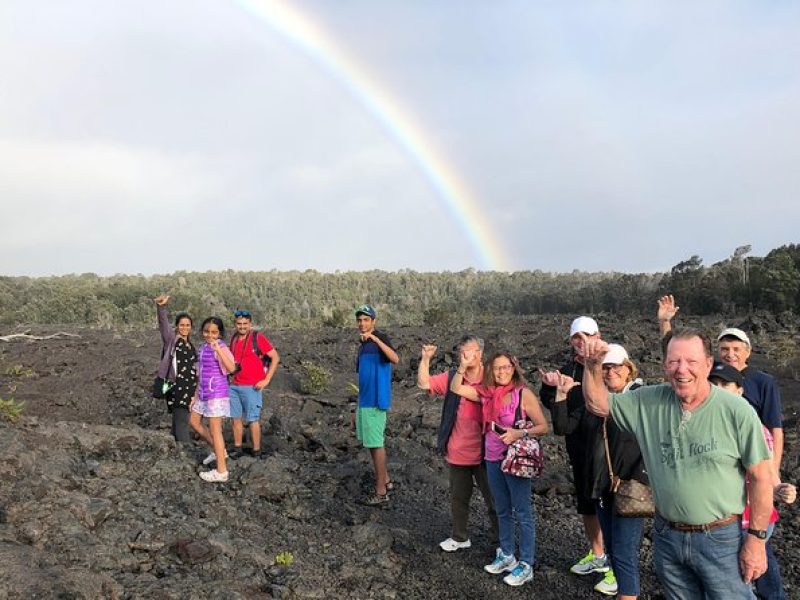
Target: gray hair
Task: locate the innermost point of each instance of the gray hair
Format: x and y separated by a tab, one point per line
467	338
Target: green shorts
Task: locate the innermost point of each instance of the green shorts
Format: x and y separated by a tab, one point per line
370	427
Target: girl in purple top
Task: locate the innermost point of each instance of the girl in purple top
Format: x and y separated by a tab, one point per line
214	362
503	389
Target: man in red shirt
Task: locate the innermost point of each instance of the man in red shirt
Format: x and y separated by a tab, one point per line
460	439
250	379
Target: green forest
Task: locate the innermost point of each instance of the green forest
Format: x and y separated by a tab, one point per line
738	285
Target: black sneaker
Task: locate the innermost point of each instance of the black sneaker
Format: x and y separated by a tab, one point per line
257	454
236	453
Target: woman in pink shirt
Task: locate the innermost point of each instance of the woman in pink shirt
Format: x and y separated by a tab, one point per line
504	390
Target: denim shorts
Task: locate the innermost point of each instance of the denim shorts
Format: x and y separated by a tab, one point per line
246	403
215	407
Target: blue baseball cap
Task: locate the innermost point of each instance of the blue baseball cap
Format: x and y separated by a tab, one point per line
367	310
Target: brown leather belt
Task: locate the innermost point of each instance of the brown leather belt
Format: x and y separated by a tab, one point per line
705	526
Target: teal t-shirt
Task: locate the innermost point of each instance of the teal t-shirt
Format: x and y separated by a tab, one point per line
696	460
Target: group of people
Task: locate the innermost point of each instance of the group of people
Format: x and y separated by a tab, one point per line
707	442
214	382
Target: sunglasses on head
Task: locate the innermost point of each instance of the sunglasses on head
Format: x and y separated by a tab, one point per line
242	313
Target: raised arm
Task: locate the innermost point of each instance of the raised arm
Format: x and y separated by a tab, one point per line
424	369
167	332
457	384
387	350
595	393
666	312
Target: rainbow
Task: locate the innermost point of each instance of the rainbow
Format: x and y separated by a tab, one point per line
311	38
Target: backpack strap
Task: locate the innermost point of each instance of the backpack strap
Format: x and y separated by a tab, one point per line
256	349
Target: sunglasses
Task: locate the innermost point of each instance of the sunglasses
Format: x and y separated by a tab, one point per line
242	313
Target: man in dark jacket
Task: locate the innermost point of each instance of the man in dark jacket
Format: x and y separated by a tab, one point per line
574	430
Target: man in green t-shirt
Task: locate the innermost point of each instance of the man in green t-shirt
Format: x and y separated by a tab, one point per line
699	443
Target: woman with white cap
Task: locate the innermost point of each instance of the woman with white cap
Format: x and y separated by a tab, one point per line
621	535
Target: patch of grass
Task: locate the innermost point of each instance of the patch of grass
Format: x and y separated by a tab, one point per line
20	371
284	559
10	410
315	378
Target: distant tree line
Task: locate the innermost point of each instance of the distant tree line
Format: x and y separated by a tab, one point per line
739	284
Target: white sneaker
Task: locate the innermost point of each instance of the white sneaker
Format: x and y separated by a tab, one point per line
451	545
501	563
211	458
214	476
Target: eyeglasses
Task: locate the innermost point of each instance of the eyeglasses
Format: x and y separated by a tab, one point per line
501	368
615	368
242	313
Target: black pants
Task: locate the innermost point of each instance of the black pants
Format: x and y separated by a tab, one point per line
180	424
461	485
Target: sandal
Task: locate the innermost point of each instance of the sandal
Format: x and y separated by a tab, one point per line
376	499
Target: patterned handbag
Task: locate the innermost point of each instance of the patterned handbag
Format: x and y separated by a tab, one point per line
524	456
631	498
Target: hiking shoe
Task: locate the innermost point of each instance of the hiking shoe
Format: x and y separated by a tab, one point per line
451	545
376	499
590	564
236	453
257	454
608	584
214	476
501	563
211	458
522	573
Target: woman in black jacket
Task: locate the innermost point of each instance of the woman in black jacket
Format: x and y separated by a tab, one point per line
177	365
622	535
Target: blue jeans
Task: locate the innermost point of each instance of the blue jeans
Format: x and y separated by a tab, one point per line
622	537
512	497
699	565
770	585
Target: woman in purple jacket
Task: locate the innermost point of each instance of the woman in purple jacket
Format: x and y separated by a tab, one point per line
212	400
178	365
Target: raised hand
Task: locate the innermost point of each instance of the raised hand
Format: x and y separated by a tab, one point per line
467	356
786	493
566	383
161	300
592	350
428	351
667	308
550	378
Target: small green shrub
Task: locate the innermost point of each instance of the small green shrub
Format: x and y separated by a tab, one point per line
20	371
284	559
11	411
315	378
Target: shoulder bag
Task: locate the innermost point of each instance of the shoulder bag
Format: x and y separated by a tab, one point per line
631	498
524	456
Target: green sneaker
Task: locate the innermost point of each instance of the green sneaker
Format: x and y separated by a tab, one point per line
590	564
608	584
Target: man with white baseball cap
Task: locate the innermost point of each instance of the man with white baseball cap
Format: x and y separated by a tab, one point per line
575	436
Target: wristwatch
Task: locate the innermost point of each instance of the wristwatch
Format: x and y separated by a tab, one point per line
759	533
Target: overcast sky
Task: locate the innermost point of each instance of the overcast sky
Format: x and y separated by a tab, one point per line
155	136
